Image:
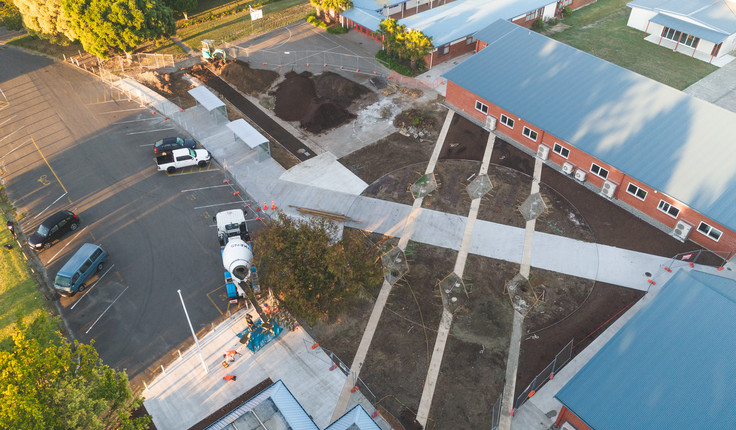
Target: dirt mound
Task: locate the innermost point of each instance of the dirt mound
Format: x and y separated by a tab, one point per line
323	116
294	96
170	85
338	89
247	80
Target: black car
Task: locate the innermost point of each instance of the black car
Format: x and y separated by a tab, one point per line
164	146
53	228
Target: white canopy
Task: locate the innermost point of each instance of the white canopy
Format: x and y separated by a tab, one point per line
206	98
247	133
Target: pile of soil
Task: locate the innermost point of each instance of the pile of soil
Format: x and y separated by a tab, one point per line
318	103
170	85
249	81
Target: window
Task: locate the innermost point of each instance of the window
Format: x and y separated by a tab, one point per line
668	209
598	171
559	149
469	41
709	231
444	49
85	266
677	36
636	191
508	122
531	134
534	14
481	107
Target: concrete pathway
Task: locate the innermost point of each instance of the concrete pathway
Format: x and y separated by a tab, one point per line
187	50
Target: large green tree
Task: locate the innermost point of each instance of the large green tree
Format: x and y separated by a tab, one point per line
118	26
311	274
46	19
47	382
10	16
181	6
418	45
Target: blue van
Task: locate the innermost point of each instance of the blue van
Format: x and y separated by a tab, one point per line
86	262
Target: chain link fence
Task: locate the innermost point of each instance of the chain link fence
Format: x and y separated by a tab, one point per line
155	61
547	374
496	413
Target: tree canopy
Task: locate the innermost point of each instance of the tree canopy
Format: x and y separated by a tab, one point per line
104	26
404	42
46	382
46	19
312	276
181	6
10	17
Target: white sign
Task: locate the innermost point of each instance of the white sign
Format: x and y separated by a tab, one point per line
256	14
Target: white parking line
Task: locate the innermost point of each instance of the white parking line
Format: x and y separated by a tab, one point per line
13	150
1	123
204	188
220	204
90	288
107	309
197	172
149	131
45	209
122	110
62	249
137	120
147	144
7	136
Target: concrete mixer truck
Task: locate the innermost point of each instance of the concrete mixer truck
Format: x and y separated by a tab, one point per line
237	254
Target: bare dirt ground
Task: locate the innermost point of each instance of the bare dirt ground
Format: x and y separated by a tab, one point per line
473	367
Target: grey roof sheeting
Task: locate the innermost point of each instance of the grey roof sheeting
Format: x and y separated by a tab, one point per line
666	139
715	14
367	18
689	28
354	419
669	367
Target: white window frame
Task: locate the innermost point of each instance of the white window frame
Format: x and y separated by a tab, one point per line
483	107
506	120
527	132
600	171
666	206
709	231
561	150
636	191
469	40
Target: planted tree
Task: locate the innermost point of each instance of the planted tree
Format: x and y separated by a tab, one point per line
10	16
312	275
47	20
46	382
418	46
390	30
105	27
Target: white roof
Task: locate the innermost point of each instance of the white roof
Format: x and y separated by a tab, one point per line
206	98
247	133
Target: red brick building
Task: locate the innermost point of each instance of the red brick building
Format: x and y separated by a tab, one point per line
650	148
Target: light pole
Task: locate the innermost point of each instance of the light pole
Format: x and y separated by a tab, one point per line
196	341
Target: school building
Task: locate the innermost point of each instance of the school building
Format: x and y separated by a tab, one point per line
661	154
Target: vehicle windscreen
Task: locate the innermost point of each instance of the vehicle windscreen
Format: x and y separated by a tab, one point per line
42	230
62	281
192	153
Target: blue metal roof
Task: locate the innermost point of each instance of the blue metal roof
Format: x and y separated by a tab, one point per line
666	139
715	14
376	5
670	367
462	18
354	419
367	18
689	28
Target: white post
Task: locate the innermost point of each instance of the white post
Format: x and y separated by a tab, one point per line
196	341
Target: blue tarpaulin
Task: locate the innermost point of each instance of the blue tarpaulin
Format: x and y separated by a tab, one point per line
258	337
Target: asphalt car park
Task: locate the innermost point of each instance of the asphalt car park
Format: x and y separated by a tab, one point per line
69	142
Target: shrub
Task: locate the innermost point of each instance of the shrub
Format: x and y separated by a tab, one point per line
538	25
566	11
337	29
312	19
394	64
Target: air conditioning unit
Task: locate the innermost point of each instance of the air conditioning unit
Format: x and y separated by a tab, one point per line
543	152
608	189
567	426
490	122
567	168
580	175
681	230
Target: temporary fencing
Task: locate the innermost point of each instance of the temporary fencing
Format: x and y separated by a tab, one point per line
496	413
545	375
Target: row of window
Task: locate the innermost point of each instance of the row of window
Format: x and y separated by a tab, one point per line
601	172
677	36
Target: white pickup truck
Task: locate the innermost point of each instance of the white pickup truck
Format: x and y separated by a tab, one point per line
180	158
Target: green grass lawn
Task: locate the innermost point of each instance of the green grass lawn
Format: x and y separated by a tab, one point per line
600	29
19	294
33	43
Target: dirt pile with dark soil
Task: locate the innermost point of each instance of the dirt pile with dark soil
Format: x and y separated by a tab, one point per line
170	85
249	81
319	102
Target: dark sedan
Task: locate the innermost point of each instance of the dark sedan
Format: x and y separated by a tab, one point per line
53	228
164	146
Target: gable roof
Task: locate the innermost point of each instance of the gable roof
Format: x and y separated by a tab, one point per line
354	419
669	367
671	141
718	15
367	18
462	18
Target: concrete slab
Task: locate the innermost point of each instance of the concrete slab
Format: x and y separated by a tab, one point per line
718	88
185	394
324	171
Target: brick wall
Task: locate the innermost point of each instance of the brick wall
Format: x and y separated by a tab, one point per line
465	101
567	416
456	50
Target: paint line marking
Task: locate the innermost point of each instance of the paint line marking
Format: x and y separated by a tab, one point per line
12	133
205	188
47	207
137	120
122	110
13	150
105	311
149	131
1	123
213	302
62	249
90	288
47	163
219	204
193	173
